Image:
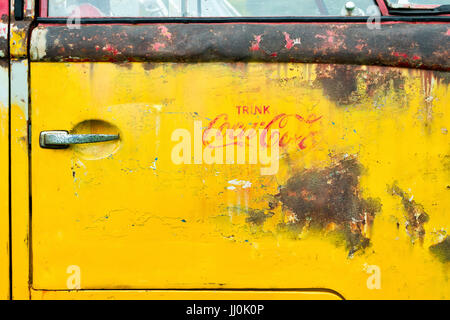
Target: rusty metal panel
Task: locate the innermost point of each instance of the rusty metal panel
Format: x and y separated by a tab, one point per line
356	201
424	46
20	30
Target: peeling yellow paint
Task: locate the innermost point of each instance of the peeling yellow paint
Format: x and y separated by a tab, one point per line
19	180
18	41
136	220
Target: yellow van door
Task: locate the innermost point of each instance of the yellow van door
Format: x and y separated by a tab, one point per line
335	177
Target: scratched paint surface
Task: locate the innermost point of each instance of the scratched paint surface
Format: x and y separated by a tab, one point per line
4	188
4	161
19	182
19	155
363	179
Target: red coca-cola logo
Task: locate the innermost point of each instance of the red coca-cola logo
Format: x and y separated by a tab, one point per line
292	128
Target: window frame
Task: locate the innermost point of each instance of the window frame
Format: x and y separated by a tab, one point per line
387	14
43	13
417	9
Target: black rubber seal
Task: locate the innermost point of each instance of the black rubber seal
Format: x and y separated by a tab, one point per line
51	20
18	10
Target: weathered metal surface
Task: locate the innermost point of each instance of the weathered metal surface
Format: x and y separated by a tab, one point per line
19	32
424	46
320	197
4	152
362	180
29	9
19	178
4	21
442	250
363	170
62	139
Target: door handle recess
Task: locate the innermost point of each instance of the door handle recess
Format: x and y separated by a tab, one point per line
62	139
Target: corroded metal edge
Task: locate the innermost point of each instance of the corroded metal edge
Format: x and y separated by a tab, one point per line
422	46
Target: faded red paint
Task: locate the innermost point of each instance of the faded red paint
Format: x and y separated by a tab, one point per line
255	44
44	8
289	41
165	32
329	37
417	6
299	132
87	11
333	39
158	45
399	54
110	48
3	7
383	8
361	46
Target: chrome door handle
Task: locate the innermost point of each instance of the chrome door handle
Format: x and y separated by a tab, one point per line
62	139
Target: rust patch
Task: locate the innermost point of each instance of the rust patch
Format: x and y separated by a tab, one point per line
19	37
340	82
411	45
4	36
257	217
330	199
442	77
441	250
446	163
384	81
415	215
